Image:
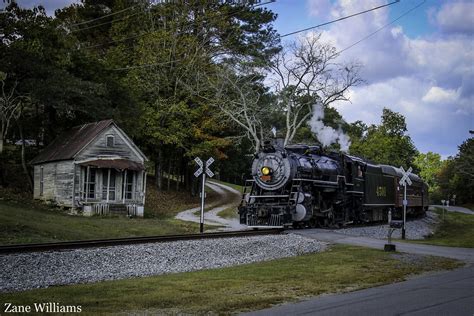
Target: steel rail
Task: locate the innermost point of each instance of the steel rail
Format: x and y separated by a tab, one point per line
78	244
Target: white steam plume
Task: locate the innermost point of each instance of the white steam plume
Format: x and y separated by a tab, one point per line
326	134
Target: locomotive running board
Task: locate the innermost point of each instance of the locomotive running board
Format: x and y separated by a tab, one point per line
265	227
268	196
318	181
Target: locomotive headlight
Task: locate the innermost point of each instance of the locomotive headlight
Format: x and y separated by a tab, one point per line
265	171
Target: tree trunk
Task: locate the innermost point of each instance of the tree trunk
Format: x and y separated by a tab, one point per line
23	160
1	144
177	172
169	174
186	178
159	170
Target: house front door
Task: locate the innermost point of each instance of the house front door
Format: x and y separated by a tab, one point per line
108	185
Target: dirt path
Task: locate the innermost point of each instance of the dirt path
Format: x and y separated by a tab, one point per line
229	197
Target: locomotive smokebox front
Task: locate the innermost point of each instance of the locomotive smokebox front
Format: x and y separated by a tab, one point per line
272	171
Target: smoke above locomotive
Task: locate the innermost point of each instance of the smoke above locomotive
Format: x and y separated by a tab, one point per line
301	185
326	134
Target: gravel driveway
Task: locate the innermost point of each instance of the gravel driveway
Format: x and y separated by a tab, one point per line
415	229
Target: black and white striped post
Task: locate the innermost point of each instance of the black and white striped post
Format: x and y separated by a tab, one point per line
405	180
202	171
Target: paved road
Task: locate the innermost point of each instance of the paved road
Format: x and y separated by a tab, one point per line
443	293
454	209
447	293
465	254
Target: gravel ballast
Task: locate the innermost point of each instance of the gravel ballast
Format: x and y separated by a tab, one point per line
415	229
26	271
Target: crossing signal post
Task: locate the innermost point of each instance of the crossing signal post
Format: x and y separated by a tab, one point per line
405	180
203	170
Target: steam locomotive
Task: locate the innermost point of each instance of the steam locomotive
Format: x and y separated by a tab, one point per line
303	186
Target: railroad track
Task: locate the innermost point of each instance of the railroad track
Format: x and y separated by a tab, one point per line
130	240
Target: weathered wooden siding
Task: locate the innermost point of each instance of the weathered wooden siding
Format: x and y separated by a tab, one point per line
99	147
57	182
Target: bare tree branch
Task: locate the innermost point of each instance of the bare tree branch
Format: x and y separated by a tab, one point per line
305	73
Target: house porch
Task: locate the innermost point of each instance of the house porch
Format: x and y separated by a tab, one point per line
110	186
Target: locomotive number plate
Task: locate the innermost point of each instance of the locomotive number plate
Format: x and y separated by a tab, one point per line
381	191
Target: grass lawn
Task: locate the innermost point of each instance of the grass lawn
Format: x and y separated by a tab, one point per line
456	230
241	288
234	186
26	224
230	212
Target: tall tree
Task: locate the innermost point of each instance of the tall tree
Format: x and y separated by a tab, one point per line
306	73
10	106
429	166
172	65
244	101
387	143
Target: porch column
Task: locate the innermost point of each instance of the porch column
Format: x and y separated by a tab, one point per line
87	183
144	187
108	184
134	186
74	185
125	186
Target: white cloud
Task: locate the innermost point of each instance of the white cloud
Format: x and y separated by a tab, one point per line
429	79
440	95
456	17
318	8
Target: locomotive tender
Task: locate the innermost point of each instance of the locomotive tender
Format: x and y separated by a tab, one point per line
302	186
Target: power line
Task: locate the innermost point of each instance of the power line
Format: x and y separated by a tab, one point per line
381	28
105	23
341	51
340	19
146	65
104	16
189	23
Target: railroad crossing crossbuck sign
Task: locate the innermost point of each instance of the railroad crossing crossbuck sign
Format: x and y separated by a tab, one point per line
201	167
203	170
405	180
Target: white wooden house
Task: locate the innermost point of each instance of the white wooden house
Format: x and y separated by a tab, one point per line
95	167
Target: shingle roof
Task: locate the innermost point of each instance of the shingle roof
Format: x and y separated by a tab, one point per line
69	143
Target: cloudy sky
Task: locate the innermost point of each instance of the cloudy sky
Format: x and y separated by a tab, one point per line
421	65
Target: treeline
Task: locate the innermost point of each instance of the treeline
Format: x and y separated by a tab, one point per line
147	66
451	179
183	79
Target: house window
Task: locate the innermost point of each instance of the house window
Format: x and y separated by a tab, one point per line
110	140
41	181
89	185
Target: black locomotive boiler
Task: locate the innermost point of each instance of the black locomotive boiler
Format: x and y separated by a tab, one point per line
302	186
